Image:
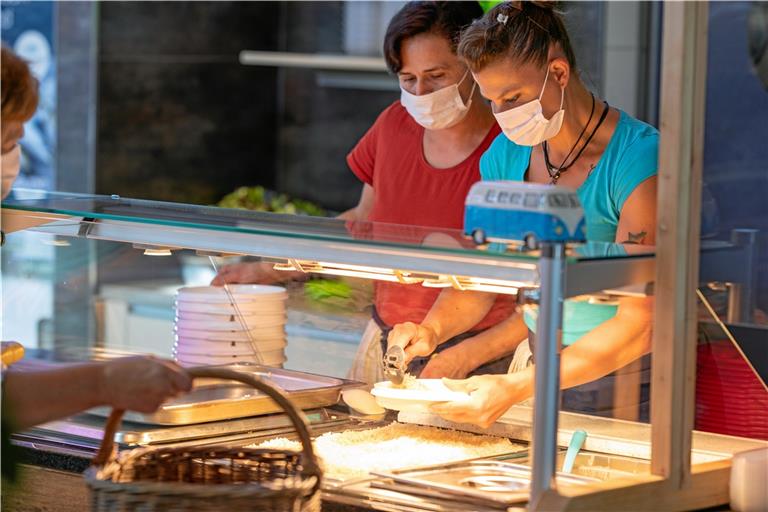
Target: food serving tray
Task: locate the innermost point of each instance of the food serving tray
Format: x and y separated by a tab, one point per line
215	400
490	482
85	431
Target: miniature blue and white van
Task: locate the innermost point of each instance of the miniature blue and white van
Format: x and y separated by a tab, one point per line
520	212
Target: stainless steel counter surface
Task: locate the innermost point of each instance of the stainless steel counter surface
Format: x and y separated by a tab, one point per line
604	435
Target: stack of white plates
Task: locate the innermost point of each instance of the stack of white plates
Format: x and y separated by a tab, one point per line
210	329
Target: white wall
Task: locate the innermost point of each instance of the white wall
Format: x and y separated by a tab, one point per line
624	52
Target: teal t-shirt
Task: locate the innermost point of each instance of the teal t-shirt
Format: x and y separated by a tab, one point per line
630	158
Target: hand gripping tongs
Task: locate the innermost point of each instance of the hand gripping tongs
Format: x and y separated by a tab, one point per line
394	365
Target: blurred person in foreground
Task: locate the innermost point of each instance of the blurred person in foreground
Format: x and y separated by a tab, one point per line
37	396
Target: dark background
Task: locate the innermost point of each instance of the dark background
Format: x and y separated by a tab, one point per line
178	117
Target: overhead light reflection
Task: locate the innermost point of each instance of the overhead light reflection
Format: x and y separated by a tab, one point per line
401	276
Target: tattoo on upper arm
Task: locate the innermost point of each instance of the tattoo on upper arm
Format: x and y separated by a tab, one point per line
635	238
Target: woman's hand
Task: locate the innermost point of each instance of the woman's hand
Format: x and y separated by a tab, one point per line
451	363
141	383
491	396
417	340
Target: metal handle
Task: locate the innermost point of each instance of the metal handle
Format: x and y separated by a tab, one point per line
297	417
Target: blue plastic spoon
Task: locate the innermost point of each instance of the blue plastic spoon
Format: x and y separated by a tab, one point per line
577	441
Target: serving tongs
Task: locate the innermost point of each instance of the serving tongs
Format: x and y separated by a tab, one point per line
394	365
239	315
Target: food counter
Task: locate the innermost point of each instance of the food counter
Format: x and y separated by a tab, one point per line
109	235
613	450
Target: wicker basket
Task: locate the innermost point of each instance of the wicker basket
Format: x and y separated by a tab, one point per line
212	478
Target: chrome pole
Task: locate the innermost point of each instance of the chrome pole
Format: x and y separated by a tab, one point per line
547	348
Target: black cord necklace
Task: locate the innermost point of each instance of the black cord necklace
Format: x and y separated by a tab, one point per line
578	139
556	172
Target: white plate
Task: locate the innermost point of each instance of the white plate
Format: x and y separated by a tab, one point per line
225	349
269	341
270	333
241	293
193	351
185	364
245	308
430	392
206	325
213	360
267	355
214	346
250	318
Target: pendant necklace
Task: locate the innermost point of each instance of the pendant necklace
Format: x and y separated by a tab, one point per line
556	171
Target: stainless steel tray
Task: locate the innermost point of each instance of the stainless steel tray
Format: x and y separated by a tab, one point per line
489	482
85	431
212	400
603	466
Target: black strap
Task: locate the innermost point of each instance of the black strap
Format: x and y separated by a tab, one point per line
575	144
561	170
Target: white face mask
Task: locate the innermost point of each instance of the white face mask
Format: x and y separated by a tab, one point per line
440	109
526	125
11	162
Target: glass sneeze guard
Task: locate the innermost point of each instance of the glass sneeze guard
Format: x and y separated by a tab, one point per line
309	243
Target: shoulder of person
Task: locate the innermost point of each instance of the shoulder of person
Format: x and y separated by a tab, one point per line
640	140
637	161
390	120
394	114
497	157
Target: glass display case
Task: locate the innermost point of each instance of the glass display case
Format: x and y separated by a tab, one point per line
118	263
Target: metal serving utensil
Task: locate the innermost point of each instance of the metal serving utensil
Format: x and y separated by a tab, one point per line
394	364
239	315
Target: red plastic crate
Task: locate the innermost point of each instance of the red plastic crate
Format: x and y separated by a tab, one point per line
730	399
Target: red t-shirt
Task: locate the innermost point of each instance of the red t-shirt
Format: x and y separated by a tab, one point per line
409	191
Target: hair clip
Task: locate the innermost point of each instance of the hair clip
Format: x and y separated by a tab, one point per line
502	18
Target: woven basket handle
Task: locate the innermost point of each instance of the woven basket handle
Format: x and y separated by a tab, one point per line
296	416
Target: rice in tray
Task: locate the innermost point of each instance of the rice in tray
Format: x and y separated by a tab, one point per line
353	453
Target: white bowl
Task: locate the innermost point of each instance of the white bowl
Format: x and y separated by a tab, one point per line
213	346
240	292
205	325
266	355
271	355
269	360
225	349
185	364
250	317
429	392
225	308
266	333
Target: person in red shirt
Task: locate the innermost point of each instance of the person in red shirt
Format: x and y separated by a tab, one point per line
417	163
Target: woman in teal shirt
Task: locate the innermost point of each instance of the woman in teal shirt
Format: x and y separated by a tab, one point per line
555	131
